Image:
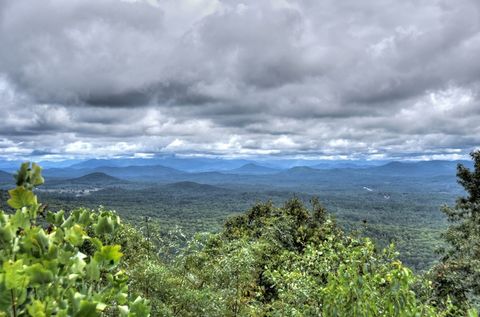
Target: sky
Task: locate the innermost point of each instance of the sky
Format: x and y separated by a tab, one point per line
370	79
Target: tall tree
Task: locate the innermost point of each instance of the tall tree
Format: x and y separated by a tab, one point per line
458	274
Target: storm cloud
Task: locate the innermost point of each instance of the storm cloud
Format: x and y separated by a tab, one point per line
376	78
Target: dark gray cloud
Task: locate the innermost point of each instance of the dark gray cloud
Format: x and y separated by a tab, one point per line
316	78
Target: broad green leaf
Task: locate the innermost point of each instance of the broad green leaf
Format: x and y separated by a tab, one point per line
56	218
78	263
38	274
97	243
140	308
29	176
120	277
6	233
123	310
42	239
93	270
20	219
110	254
105	225
36	309
101	306
75	235
84	218
15	277
3	218
5	301
36	175
21	197
87	309
36	241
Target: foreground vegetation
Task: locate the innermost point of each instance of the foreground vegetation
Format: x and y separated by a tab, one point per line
270	261
51	265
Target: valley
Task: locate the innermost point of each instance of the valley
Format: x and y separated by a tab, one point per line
392	203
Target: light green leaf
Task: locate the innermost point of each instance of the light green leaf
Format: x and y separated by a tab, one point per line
96	242
87	309
56	218
472	312
15	277
92	270
140	308
29	176
123	310
78	264
101	306
75	235
42	239
36	175
105	225
110	254
36	309
21	197
20	219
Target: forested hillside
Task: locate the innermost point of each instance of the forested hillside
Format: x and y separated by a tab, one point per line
377	202
288	259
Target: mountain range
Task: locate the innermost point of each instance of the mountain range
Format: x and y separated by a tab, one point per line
438	174
110	172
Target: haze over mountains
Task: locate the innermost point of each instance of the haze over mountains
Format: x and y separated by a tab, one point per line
96	178
248	173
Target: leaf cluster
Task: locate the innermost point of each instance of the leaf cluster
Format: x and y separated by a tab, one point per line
43	271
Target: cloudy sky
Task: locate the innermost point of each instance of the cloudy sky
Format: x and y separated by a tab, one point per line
312	78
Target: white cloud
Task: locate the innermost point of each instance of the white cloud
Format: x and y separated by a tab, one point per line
209	77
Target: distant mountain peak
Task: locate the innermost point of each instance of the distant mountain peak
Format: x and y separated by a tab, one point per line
251	165
302	169
253	168
96	177
433	167
254	165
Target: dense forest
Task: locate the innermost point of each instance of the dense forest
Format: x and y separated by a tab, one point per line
289	259
393	203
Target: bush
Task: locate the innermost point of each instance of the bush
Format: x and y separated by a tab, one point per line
43	270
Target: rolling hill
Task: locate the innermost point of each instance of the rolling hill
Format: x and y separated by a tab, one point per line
142	173
419	169
253	169
96	178
442	172
6	178
192	187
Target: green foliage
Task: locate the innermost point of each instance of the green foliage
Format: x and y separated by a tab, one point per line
42	269
458	274
270	261
285	261
409	217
